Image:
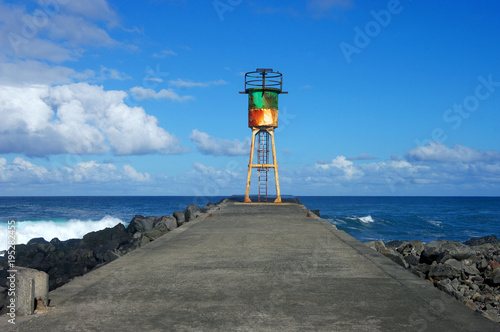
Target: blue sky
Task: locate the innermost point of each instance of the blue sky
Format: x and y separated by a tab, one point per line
108	97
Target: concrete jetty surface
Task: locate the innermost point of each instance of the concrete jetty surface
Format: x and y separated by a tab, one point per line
253	268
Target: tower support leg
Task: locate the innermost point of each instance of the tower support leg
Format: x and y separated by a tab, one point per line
278	194
249	175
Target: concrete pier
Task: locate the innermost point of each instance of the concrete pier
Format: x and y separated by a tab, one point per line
253	268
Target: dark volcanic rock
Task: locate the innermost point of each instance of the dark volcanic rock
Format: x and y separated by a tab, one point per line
492	239
180	217
395	256
468	271
207	207
494	278
169	223
191	212
442	250
395	243
141	224
443	271
376	245
108	238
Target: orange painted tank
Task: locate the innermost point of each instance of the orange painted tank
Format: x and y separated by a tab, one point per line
263	117
263	107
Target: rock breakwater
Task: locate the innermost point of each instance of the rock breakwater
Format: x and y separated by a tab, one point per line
469	271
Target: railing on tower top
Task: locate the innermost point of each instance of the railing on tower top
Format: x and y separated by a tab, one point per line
264	78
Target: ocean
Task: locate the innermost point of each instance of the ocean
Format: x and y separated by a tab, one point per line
365	218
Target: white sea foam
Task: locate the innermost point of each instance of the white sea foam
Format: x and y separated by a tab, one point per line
436	223
49	229
367	219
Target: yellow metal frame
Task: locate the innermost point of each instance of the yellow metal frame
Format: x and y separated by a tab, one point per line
255	131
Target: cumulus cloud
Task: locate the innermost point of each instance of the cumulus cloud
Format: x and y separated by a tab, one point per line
205	180
190	84
439	152
140	93
22	171
78	119
209	145
53	31
91	9
361	156
340	163
426	170
35	72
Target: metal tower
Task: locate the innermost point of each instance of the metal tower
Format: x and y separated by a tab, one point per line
263	87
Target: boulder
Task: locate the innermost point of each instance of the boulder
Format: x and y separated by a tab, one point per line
110	256
395	243
443	271
191	212
492	239
108	238
471	270
442	250
494	278
376	245
155	233
453	262
414	247
141	224
207	207
395	256
446	286
431	252
180	217
167	222
411	259
422	268
458	250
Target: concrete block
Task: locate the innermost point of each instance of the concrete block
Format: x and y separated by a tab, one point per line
31	284
25	294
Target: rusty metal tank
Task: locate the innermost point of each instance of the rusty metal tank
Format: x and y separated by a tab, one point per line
263	107
263	87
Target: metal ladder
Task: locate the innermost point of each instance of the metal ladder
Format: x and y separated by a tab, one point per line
263	152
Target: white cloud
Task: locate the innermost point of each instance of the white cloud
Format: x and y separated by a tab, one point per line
91	9
54	31
361	156
112	74
35	72
342	164
439	152
21	171
134	175
77	119
190	84
140	93
205	180
78	31
209	145
163	54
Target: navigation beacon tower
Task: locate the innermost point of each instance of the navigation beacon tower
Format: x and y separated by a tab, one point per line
263	87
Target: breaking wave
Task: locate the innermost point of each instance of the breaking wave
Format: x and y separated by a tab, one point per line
48	229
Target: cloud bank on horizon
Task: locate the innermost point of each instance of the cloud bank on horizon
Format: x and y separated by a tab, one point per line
110	98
